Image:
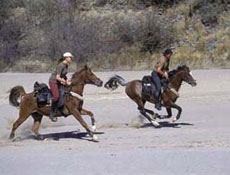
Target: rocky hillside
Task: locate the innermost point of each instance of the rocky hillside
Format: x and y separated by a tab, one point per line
113	34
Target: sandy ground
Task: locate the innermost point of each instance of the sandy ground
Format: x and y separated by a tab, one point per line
197	144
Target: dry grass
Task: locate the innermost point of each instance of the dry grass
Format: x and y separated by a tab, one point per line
129	58
199	46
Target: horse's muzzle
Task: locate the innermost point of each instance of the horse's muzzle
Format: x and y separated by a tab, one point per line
193	83
98	83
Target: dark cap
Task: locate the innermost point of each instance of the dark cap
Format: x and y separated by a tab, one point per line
168	51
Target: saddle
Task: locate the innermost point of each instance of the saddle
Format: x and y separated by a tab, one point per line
149	87
43	96
42	93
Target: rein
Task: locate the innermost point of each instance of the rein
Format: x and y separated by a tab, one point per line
74	94
175	83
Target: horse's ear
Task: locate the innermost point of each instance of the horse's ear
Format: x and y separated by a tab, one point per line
183	65
86	67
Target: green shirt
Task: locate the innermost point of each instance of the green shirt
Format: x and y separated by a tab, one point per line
60	69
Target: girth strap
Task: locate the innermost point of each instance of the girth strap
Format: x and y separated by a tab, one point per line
76	95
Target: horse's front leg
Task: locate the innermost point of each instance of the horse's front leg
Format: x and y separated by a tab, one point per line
77	115
173	105
89	113
169	111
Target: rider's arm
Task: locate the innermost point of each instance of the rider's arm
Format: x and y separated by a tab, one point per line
58	76
160	66
61	80
159	70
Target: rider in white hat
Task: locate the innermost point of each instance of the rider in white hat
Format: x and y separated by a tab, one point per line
57	81
67	54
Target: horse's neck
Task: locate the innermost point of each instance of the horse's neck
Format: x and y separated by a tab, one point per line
79	88
176	82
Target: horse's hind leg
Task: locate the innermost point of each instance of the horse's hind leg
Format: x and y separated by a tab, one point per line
89	113
37	121
154	115
143	112
23	115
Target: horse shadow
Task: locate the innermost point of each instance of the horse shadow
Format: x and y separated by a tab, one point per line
62	135
166	124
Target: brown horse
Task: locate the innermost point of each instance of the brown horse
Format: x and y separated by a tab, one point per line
72	103
169	96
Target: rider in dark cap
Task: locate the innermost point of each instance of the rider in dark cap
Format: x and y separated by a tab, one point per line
161	71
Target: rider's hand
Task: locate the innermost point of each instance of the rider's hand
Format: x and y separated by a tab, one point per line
166	75
62	81
68	82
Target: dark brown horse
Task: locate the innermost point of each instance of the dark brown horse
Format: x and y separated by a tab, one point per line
72	103
169	96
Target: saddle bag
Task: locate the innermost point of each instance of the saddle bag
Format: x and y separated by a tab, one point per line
148	86
147	79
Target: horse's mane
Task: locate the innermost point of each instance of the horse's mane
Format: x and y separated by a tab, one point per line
75	74
173	72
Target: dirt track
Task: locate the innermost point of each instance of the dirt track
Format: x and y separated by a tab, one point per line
198	143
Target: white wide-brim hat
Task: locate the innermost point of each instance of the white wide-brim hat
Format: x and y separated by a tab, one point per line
67	54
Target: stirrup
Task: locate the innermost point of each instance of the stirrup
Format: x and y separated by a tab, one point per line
53	118
158	106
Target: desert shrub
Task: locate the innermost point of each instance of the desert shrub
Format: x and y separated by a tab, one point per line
165	3
3	66
209	10
87	38
157	33
148	32
100	3
11	33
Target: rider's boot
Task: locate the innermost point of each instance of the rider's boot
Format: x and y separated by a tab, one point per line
158	103
53	111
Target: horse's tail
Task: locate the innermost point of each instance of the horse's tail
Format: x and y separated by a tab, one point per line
113	82
16	93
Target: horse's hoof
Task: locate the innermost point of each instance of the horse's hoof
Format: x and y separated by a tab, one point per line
95	138
11	136
94	128
153	117
39	137
157	116
155	124
16	139
174	119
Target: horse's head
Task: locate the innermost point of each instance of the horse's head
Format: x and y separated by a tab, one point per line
186	75
86	76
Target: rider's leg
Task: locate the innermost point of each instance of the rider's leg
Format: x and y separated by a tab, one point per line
54	104
61	96
157	82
